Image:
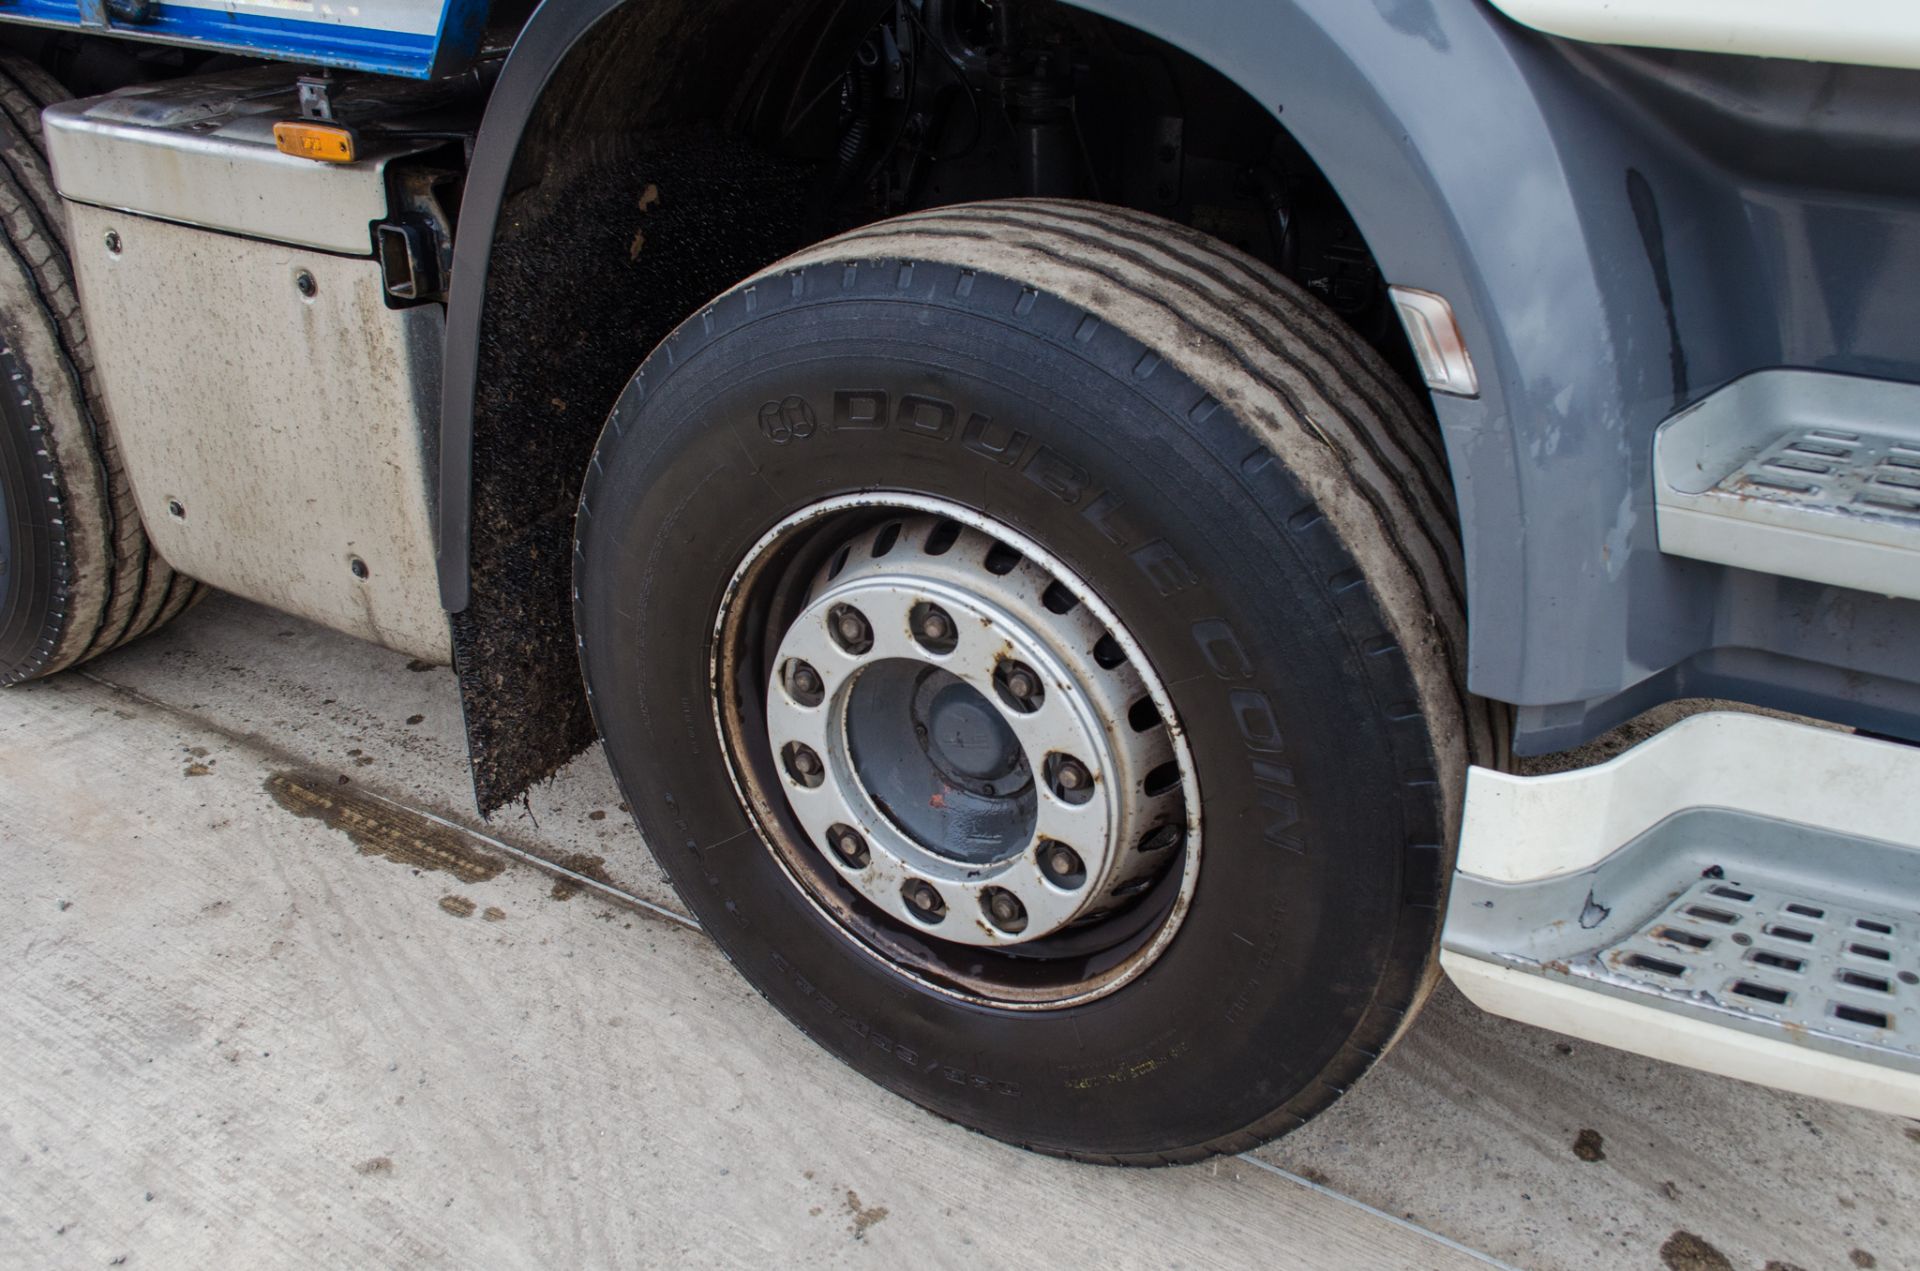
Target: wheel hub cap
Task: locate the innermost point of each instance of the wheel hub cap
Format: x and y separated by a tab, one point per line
952	708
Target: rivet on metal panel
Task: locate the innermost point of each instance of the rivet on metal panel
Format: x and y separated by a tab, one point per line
358	566
113	242
303	283
176	509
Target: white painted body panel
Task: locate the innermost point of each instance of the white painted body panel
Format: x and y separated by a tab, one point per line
1657	1034
1863	32
415	17
1520	829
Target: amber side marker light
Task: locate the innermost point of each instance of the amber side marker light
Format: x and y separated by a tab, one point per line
310	139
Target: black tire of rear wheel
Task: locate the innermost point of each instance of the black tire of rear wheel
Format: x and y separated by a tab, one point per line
77	574
1310	938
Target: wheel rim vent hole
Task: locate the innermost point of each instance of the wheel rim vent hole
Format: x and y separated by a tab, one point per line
885	540
1160	839
1164	779
1001	559
1143	716
839	562
943	537
1107	653
1058	599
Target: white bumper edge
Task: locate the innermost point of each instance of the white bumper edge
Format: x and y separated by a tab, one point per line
1644	1030
1858	32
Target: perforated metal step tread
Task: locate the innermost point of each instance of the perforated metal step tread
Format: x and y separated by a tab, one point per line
1814	967
1827	472
1798	473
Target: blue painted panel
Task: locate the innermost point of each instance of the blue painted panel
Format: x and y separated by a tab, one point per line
349	47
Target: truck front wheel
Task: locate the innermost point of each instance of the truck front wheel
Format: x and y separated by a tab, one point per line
1029	635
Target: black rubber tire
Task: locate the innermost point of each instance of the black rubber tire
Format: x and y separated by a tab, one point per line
1252	490
77	575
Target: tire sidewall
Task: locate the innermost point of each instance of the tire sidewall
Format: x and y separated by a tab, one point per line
32	556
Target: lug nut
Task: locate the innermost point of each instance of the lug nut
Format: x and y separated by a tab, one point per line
1069	779
849	846
1019	686
803	765
922	897
850	628
1062	864
933	628
803	682
1004	910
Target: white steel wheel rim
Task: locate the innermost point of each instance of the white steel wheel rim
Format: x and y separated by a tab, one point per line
1131	823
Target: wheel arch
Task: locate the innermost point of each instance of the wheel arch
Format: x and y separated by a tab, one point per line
1468	194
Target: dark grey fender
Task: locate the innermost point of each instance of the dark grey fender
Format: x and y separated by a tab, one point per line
1603	275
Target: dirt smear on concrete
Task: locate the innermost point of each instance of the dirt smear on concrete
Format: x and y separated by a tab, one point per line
1685	1251
379	828
594	867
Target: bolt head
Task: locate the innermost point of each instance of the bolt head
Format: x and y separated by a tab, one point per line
1072	776
849	627
934	626
1020	684
849	846
1063	864
922	897
805	762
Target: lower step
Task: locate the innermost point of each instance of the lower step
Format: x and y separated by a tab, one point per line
1799	473
1739	894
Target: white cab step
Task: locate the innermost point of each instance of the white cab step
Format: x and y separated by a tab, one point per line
1738	894
1799	473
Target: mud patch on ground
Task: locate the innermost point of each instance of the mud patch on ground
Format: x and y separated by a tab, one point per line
1685	1251
1589	1146
378	828
863	1217
458	906
377	1165
494	913
594	867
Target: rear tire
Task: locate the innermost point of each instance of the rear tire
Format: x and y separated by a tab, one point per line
1196	449
77	575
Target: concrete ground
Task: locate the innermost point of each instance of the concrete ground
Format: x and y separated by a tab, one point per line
263	1005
